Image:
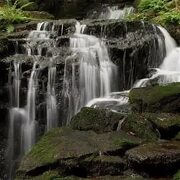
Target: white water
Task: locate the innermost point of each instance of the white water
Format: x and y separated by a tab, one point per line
29	125
23	123
169	70
115	13
52	115
88	73
114	101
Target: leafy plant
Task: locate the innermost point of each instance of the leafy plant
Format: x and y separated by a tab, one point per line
152	5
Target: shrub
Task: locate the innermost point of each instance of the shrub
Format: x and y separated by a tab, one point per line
152	5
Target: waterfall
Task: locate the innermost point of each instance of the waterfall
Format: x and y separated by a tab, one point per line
52	115
29	125
115	13
23	118
169	70
17	82
169	41
88	72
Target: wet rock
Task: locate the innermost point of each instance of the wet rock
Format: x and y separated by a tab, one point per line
156	99
175	32
158	158
177	136
139	126
168	125
74	8
6	48
77	153
98	120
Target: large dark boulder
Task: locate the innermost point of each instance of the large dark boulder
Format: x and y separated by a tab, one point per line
139	126
78	153
98	120
156	99
159	158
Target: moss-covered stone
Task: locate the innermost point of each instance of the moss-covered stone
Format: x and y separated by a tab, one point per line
138	125
98	120
157	98
159	158
40	15
104	165
167	124
45	176
151	126
66	149
177	176
178	136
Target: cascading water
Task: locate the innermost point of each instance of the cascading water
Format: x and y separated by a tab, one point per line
29	125
169	70
52	115
88	72
23	123
115	12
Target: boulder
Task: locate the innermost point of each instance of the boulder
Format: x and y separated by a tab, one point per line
139	126
156	99
151	126
167	124
77	153
178	136
97	120
158	158
177	175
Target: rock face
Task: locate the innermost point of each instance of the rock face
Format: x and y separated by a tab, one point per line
75	8
154	158
156	98
97	120
139	126
79	153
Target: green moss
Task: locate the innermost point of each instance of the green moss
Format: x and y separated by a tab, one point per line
67	147
177	176
98	120
178	136
154	98
138	125
164	120
49	175
153	94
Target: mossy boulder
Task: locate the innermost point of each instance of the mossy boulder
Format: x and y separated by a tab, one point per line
67	150
98	120
158	158
156	98
151	126
139	126
167	124
177	176
178	136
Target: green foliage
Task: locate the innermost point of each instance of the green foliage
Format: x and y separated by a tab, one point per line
13	13
10	28
152	5
171	17
162	12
